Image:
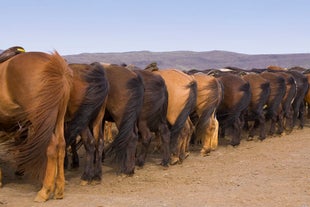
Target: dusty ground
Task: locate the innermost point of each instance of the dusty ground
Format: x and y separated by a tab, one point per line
275	172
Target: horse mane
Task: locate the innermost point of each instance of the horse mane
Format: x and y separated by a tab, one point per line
46	110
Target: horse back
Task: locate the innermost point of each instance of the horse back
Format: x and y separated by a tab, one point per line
178	86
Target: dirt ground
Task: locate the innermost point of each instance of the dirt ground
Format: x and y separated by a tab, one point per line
275	172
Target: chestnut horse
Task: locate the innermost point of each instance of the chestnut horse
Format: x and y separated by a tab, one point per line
35	91
182	95
209	96
85	114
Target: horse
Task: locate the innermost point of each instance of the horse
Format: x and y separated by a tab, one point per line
87	100
124	104
182	95
286	114
307	96
260	90
209	96
273	109
298	102
35	92
153	115
236	99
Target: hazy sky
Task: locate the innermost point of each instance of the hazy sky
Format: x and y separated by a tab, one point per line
76	26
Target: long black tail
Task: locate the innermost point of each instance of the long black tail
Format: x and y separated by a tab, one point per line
118	148
180	121
94	98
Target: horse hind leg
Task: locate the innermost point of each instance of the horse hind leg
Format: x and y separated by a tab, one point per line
146	137
98	158
185	148
236	132
165	140
215	129
183	138
50	174
89	145
0	177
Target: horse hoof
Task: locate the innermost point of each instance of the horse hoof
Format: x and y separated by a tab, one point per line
40	199
140	163
250	139
95	182
58	196
83	182
205	152
174	160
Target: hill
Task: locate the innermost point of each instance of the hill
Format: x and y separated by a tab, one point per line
186	60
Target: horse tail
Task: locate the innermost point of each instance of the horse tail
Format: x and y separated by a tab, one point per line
95	96
46	115
128	125
246	98
180	121
158	112
265	92
211	103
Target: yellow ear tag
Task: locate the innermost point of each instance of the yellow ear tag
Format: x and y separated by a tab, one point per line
21	50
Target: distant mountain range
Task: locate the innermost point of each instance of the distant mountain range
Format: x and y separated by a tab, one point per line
186	60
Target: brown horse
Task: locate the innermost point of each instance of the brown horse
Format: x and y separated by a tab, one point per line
236	99
307	96
182	95
260	90
124	104
35	91
273	106
153	115
209	96
85	115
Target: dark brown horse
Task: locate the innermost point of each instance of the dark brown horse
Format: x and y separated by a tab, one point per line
123	106
85	115
237	97
307	96
298	102
153	115
286	115
260	90
273	108
35	91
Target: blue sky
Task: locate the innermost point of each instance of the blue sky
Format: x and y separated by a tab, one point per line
73	27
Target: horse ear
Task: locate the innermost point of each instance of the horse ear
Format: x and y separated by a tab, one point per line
212	73
151	67
242	73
